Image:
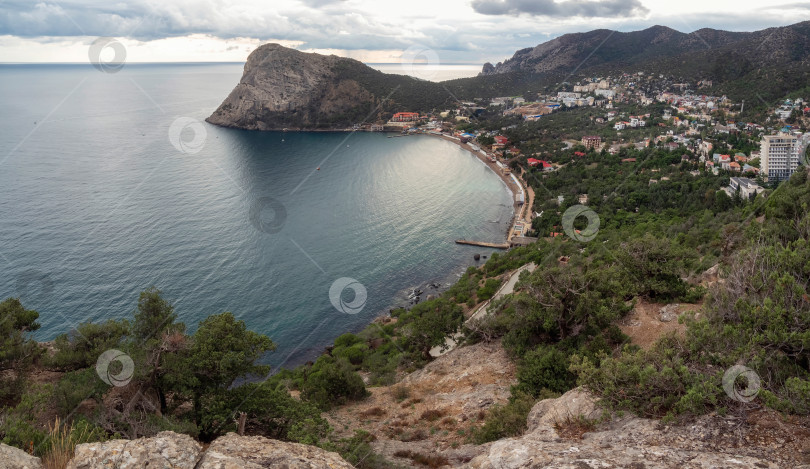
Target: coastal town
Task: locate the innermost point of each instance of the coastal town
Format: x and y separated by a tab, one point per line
625	116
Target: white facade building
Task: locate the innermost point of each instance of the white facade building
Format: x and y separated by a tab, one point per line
780	156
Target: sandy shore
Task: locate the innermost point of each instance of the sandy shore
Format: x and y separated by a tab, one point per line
519	211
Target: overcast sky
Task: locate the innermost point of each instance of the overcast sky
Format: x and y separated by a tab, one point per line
457	31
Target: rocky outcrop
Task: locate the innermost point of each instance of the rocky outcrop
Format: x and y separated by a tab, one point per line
14	458
170	450
254	452
627	443
165	450
282	87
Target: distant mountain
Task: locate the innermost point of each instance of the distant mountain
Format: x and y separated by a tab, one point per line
658	44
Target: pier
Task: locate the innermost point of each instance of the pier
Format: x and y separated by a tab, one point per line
483	244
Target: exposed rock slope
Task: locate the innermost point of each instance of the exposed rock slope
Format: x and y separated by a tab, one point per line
170	450
14	458
626	443
285	88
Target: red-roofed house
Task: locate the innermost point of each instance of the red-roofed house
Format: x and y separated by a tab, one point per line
579	153
545	165
629	160
405	117
500	140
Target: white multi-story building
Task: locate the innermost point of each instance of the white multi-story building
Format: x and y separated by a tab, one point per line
745	186
780	156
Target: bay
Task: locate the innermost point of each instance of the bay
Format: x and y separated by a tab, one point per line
112	182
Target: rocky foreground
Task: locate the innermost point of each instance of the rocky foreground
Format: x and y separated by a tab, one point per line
552	441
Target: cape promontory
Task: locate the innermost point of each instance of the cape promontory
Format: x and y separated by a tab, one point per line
286	88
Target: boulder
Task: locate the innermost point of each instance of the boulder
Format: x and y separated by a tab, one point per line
630	442
15	458
255	452
166	450
668	313
576	403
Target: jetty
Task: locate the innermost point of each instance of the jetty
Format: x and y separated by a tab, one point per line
483	244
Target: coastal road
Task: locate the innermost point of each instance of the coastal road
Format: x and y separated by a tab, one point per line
507	288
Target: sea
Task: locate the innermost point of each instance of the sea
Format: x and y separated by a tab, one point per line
112	182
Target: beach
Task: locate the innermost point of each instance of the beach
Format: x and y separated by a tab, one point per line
521	213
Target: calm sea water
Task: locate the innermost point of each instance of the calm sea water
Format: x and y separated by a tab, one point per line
104	192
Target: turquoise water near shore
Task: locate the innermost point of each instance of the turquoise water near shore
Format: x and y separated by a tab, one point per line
104	192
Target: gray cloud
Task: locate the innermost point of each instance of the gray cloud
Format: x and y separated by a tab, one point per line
320	3
566	9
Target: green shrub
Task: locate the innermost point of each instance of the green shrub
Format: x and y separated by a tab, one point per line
544	368
81	347
18	351
490	287
21	426
354	354
332	382
504	421
76	386
347	340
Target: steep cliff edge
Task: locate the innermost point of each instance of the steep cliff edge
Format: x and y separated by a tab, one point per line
285	88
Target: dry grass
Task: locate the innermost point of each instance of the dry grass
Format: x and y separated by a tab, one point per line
62	441
573	428
401	392
432	414
373	412
432	461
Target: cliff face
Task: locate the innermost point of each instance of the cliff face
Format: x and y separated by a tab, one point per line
283	87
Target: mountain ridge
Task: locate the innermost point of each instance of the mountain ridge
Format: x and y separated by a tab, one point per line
284	88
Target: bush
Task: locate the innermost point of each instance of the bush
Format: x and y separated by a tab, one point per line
544	369
357	451
81	347
18	350
76	386
269	412
503	421
490	287
652	383
332	382
347	340
19	426
354	354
